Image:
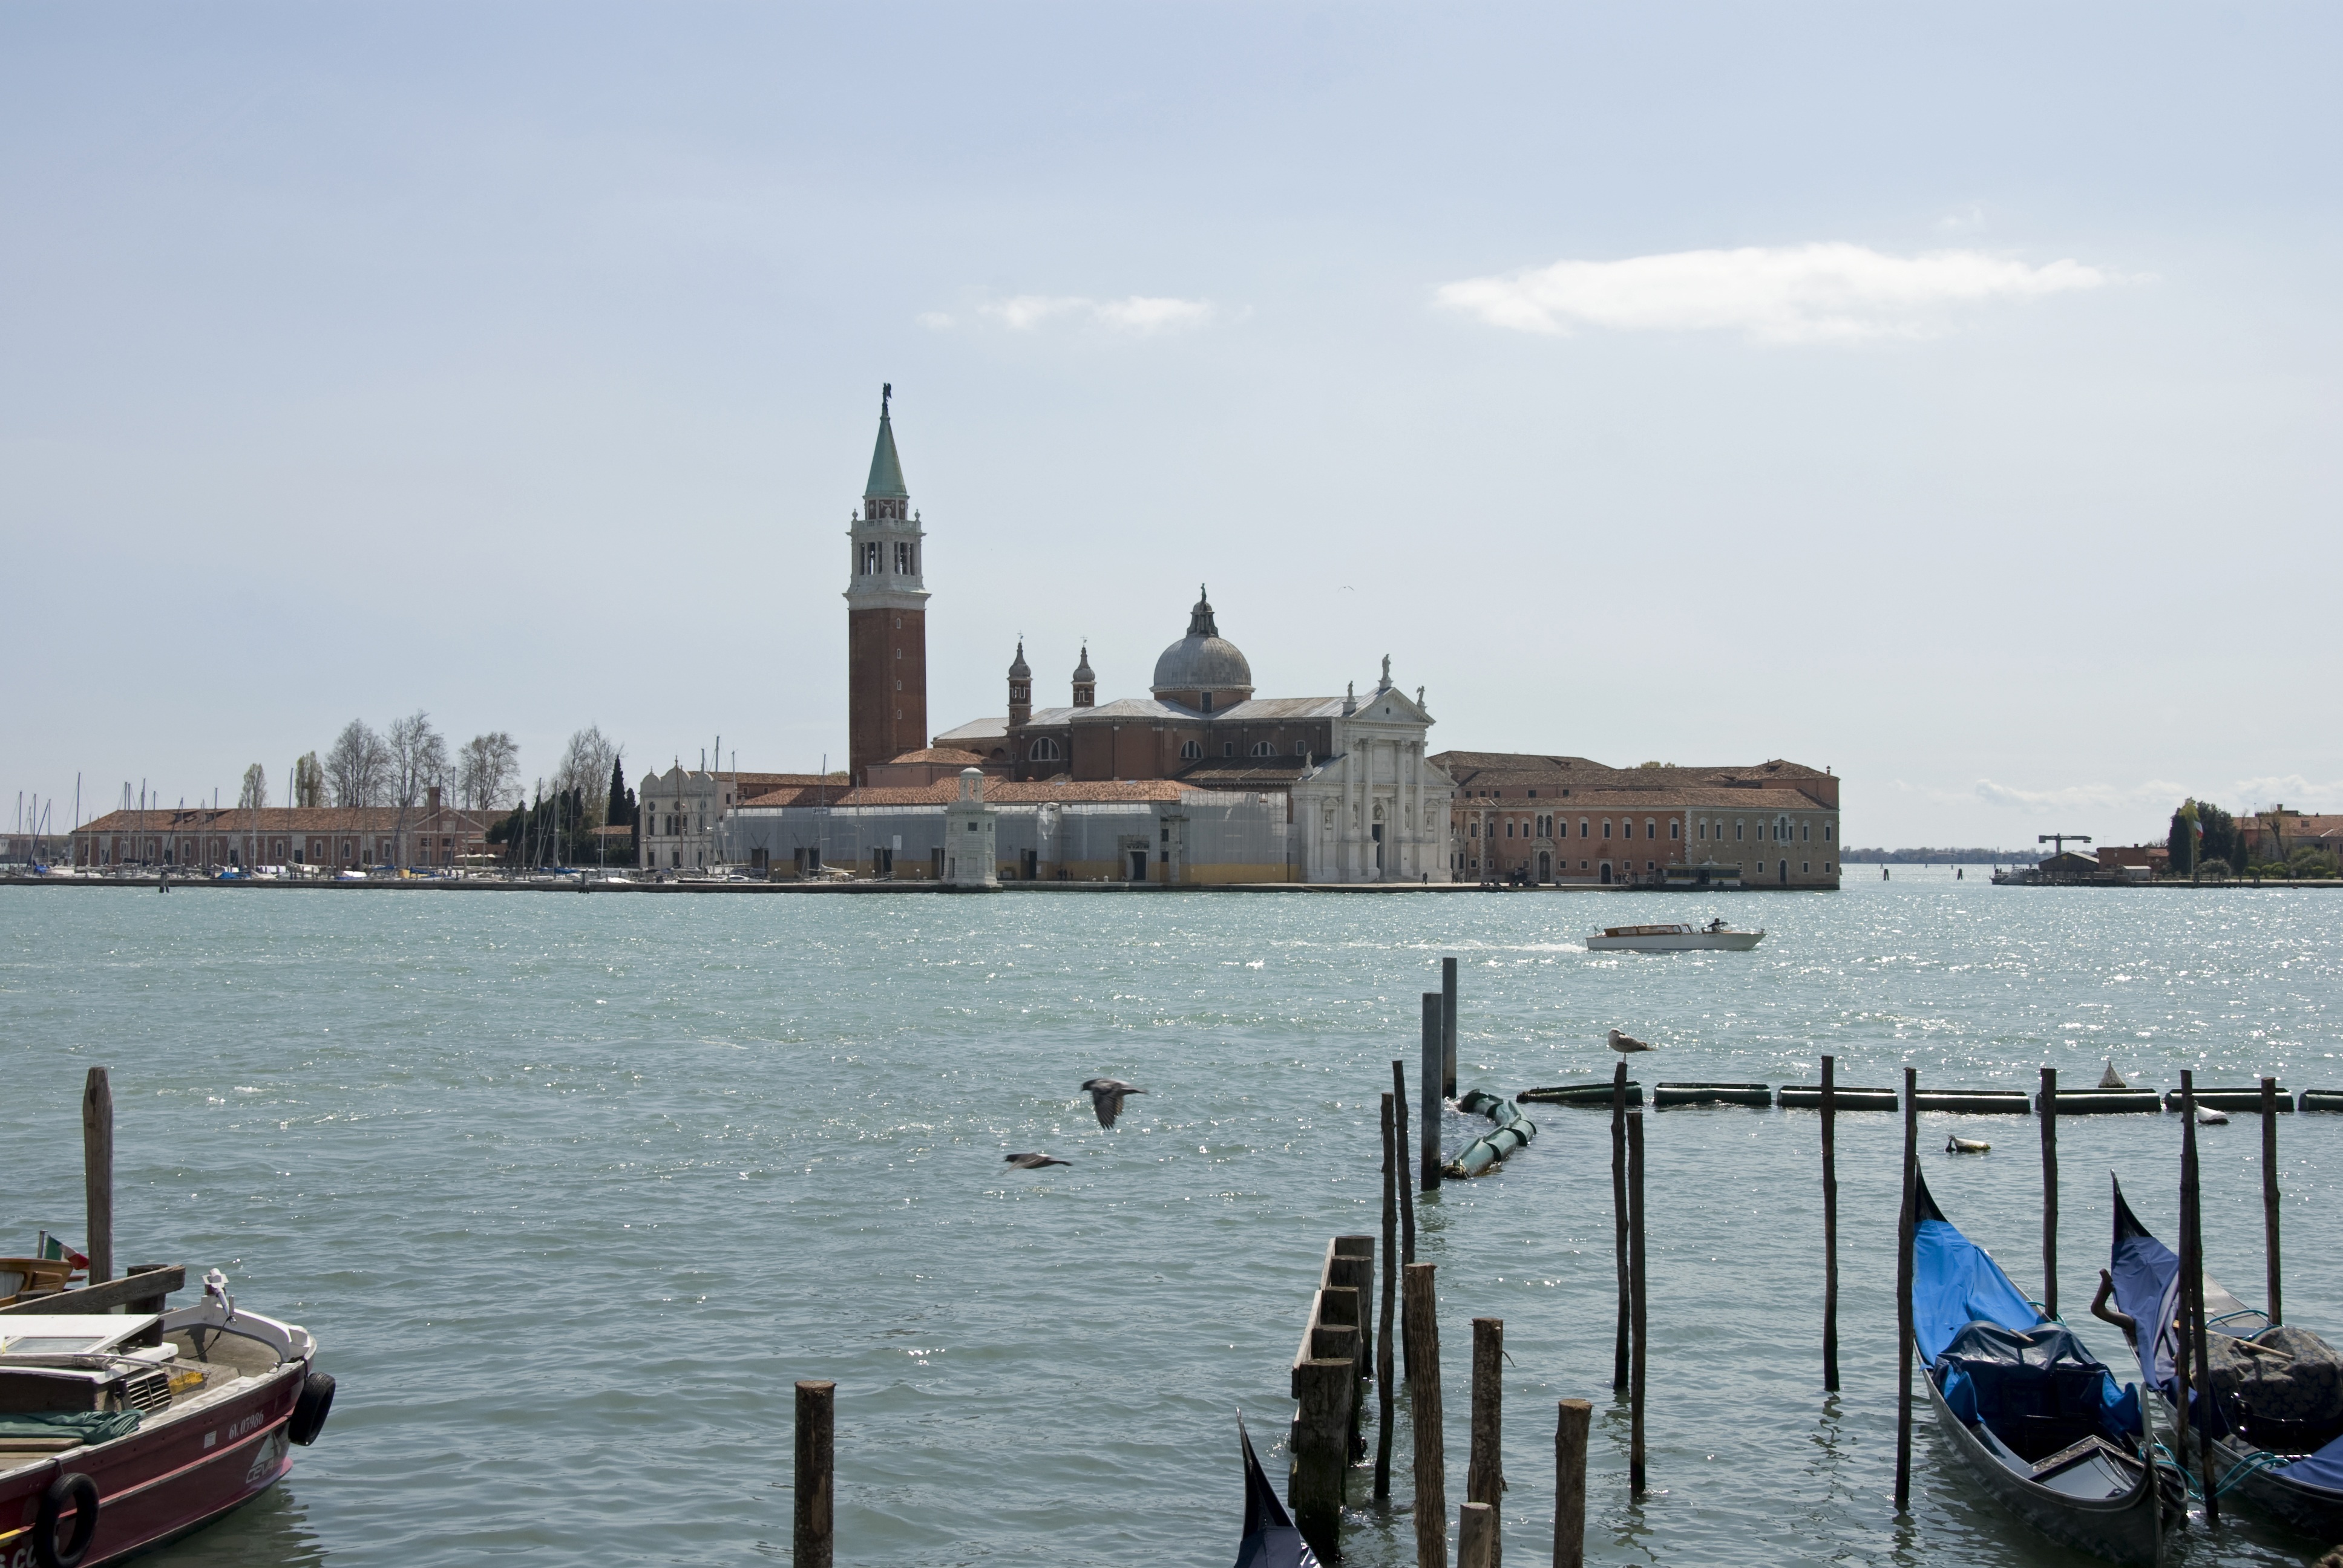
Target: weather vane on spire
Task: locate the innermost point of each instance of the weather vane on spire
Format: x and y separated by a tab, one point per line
886	391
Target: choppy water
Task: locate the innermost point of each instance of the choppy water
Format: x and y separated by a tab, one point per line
572	1188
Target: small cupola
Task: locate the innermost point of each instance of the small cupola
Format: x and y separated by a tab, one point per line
1085	681
1021	688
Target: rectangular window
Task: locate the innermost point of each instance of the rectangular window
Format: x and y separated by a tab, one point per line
1673	826
1826	832
1737	832
903	559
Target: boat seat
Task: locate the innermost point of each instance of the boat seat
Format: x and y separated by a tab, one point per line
2091	1468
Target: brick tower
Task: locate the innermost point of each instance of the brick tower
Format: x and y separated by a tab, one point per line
886	617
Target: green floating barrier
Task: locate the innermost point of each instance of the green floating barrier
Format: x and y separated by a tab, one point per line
1597	1093
1486	1152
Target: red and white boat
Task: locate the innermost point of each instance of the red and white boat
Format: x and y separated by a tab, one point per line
119	1432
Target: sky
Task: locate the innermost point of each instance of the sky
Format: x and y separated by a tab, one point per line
1944	396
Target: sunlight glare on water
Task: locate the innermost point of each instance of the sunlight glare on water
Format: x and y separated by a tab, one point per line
572	1188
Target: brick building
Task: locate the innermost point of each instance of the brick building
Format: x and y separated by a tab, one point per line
885	615
1544	819
335	838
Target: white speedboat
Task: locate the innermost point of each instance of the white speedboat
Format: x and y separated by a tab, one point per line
1673	938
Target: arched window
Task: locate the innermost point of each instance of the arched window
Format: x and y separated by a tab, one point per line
1673	826
1044	749
1263	749
1607	827
1190	750
1582	829
1301	748
1650	828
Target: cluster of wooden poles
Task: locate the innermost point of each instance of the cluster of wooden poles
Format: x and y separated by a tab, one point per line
2192	1365
1333	1359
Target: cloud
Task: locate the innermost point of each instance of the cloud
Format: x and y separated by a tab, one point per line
936	320
1137	314
1799	293
2242	794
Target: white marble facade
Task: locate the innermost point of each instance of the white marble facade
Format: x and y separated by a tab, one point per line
1376	810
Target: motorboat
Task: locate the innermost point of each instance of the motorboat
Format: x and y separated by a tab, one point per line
1716	936
119	1432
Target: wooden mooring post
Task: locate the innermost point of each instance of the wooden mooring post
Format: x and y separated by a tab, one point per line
1422	1326
1904	1226
2269	1195
1406	1211
1484	1471
1448	1027
1434	1059
1476	1536
1326	1386
1572	1419
1351	1263
1384	1321
811	1532
97	1171
1619	1222
2049	1107
2196	1347
1638	1360
1830	1223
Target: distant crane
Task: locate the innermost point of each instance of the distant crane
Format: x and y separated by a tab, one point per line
2059	840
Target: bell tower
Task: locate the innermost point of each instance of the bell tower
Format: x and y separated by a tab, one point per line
1021	688
886	614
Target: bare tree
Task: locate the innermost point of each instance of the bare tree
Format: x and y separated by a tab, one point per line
418	761
586	764
359	766
308	780
255	789
486	767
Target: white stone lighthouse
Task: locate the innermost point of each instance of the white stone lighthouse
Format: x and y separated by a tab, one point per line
970	828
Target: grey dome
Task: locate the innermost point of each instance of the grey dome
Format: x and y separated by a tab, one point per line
1203	660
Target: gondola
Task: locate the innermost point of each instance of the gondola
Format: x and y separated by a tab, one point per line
2284	1450
1271	1541
2032	1412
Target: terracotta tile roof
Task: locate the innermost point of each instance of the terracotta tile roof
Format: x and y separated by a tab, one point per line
323	819
997	793
940	754
1583	802
1244	773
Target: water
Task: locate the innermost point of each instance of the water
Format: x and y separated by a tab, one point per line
572	1188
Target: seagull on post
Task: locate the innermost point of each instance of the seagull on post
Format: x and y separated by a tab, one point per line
1628	1042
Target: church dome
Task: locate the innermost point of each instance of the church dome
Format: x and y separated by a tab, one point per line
1203	660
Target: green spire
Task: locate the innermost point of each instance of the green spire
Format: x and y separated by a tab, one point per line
886	468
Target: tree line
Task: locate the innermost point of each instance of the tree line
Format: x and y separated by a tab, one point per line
400	764
2203	837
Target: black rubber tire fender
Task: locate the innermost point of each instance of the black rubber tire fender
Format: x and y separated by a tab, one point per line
72	1489
311	1410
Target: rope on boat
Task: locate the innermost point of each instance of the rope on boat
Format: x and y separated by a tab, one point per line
2246	1469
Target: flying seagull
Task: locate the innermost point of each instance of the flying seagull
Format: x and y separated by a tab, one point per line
1965	1145
1106	1097
1035	1162
1628	1042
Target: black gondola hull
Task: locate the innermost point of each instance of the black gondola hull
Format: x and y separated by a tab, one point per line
2118	1529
